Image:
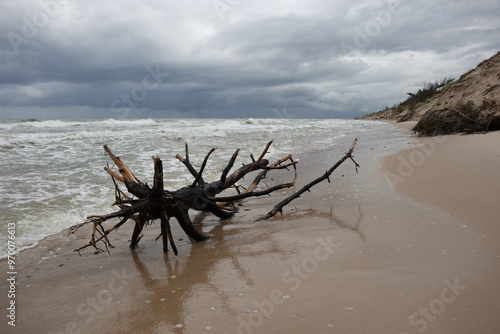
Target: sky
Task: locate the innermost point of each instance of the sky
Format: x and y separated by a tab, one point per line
232	58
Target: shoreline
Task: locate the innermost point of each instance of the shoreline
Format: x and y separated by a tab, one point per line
353	256
458	173
74	192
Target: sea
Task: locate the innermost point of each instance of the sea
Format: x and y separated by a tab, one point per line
52	174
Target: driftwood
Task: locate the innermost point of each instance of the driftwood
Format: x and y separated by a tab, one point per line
151	203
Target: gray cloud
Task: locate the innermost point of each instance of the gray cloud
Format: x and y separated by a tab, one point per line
245	58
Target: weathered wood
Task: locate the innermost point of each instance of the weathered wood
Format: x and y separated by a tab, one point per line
307	187
157	203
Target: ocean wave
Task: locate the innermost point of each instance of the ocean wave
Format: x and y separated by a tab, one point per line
64	159
61	123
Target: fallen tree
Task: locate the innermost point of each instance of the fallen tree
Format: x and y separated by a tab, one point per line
146	204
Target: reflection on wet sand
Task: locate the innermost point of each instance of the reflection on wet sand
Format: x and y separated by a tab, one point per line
163	301
334	219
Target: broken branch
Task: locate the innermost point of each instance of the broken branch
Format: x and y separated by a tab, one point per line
280	205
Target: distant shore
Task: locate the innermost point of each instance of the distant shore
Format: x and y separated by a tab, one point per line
397	248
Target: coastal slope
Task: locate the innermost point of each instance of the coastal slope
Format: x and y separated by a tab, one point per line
469	104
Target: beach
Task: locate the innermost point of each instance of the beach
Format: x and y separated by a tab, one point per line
408	244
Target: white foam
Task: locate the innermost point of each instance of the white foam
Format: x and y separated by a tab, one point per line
53	170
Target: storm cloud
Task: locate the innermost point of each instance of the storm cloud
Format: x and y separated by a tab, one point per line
232	58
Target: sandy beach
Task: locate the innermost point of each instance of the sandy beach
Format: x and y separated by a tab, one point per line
410	244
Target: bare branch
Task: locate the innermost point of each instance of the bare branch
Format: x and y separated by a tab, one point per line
187	163
251	193
122	168
228	167
280	205
199	179
258	161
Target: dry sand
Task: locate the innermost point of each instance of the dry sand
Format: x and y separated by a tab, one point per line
353	256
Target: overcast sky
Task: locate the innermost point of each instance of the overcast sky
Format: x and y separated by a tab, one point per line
232	58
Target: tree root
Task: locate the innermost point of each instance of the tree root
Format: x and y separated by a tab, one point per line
149	203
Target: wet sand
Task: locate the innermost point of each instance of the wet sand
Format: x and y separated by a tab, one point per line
364	254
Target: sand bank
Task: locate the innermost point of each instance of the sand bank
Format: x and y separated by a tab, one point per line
353	256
